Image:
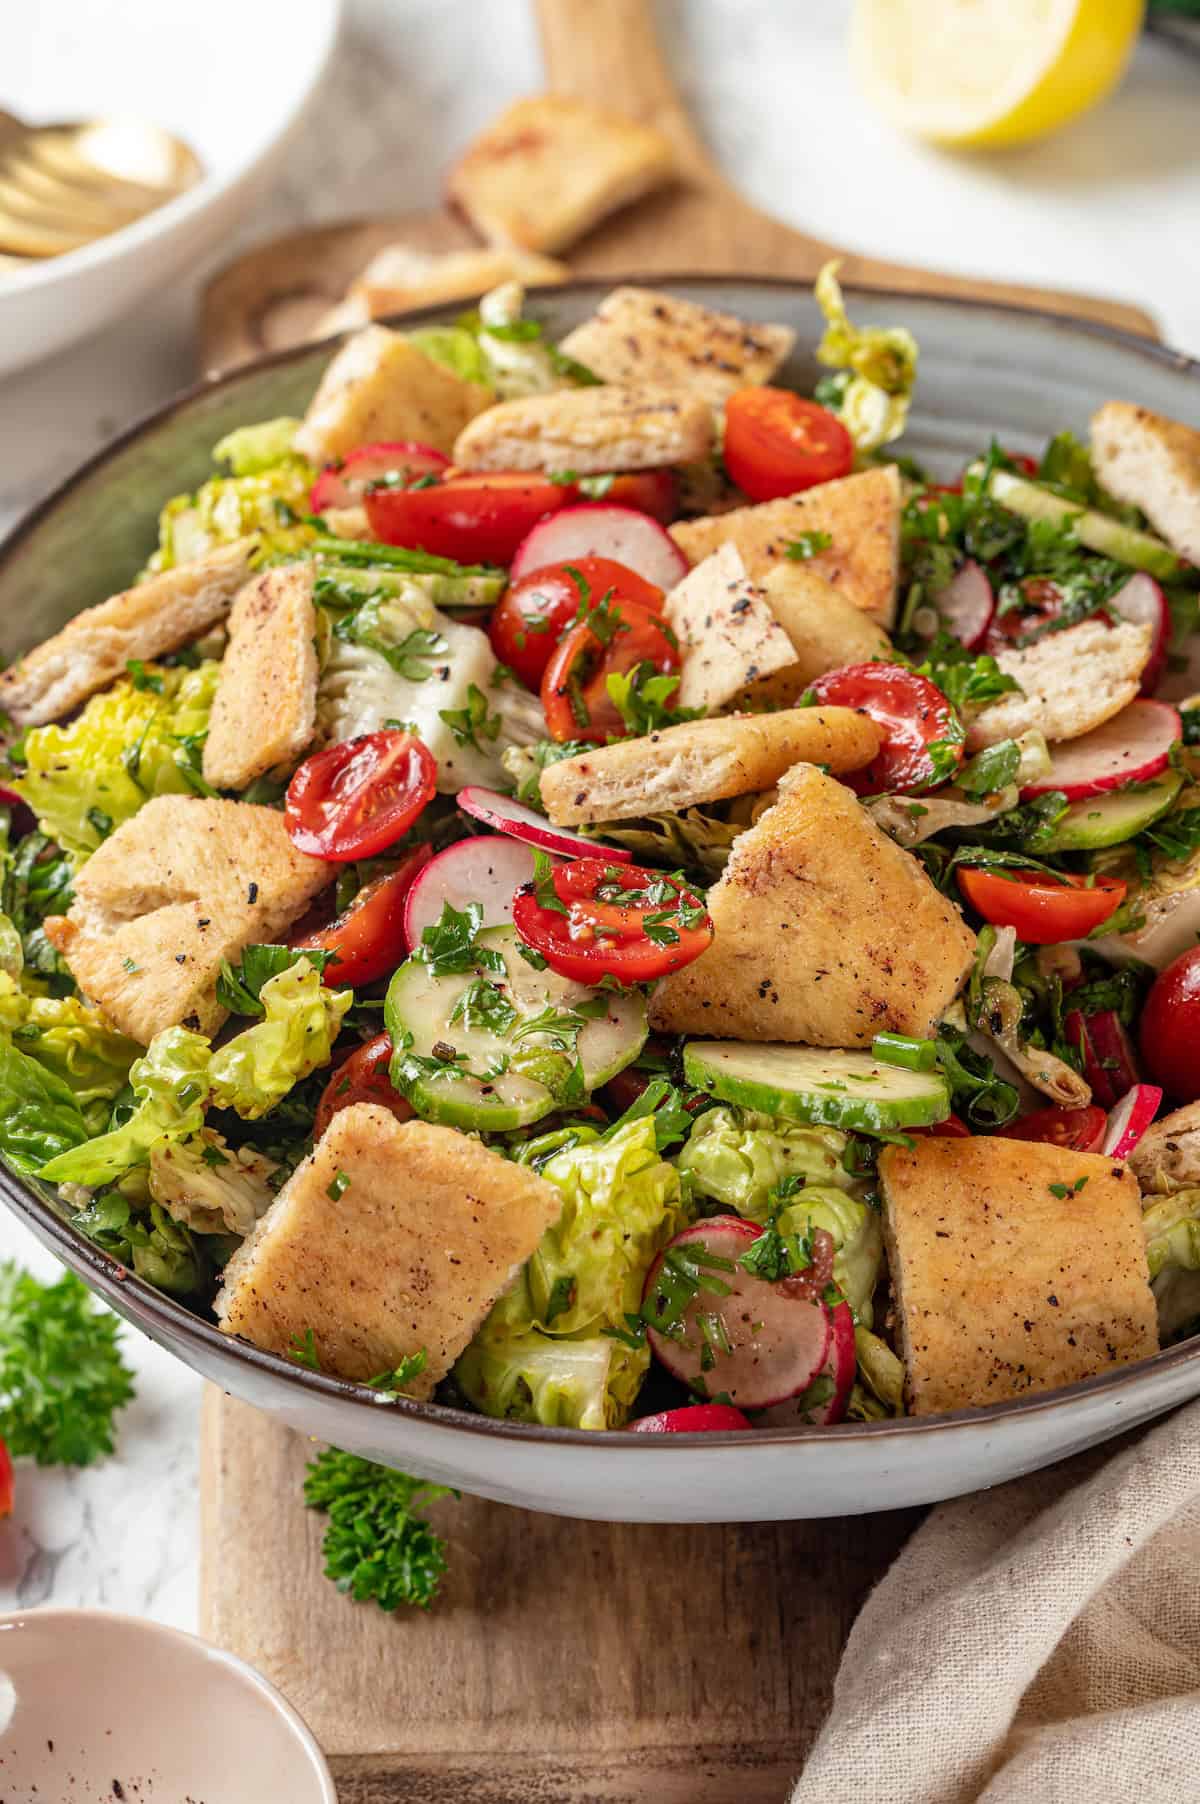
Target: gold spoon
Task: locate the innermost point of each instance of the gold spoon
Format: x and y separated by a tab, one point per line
63	185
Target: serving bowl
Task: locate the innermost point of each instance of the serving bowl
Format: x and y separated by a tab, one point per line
98	1705
984	370
201	77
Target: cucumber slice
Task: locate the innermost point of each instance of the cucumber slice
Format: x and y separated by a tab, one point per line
836	1089
361	581
1099	532
496	1080
1106	820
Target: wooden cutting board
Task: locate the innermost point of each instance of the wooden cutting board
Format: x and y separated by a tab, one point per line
565	1663
274	294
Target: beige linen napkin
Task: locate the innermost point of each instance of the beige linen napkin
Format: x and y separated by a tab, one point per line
1034	1644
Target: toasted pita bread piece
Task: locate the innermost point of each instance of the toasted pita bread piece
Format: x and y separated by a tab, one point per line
93	650
1167	1157
399	278
390	1239
264	712
378	386
1153	462
728	636
638	335
1069	682
588	429
825	931
1016	1266
824	626
702	761
550	168
861	515
184	884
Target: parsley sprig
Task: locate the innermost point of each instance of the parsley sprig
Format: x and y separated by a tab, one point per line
379	1545
62	1378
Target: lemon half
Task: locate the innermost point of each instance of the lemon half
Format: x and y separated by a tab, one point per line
990	71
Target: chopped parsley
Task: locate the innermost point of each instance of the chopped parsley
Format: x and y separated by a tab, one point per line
475	721
806	545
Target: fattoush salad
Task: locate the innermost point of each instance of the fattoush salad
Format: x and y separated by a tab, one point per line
581	883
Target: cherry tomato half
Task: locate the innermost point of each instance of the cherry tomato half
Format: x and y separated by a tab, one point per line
777	443
1078	1130
611	913
534	613
1042	911
950	1128
653	492
574	690
475	517
367	941
914	715
363	1077
345	482
1170	1027
357	798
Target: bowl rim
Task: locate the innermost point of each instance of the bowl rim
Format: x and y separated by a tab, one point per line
69	1617
323	30
123	1289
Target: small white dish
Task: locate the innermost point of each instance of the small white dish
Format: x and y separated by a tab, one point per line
232	81
97	1706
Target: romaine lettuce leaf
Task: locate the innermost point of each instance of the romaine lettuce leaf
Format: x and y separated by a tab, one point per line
857	1240
533	1377
249	450
163	1252
227	507
738	1156
621	1204
1172	1229
210	1186
73	1041
39	1117
878	368
141	738
170	1088
257	1068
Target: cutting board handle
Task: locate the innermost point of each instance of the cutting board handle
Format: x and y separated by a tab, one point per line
607	51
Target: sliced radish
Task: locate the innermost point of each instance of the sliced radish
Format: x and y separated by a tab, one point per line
1142	601
485	870
696	1418
343	484
506	816
778	1339
966	605
1132	747
825	1400
1130	1119
598	530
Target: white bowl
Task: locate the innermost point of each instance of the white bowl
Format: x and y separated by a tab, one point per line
232	78
94	1706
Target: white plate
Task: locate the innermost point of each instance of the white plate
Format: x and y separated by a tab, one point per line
232	77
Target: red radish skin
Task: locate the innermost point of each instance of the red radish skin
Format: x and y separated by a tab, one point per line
696	1418
1142	601
506	816
780	1341
597	530
841	1364
1109	1061
966	605
1132	747
485	870
343	484
1130	1119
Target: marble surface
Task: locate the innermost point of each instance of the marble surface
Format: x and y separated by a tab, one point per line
1110	205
